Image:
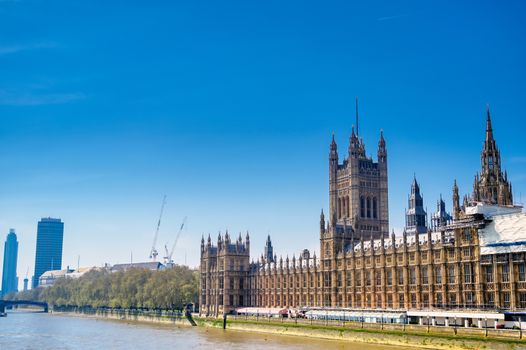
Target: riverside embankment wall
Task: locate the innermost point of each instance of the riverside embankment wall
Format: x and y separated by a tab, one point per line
408	336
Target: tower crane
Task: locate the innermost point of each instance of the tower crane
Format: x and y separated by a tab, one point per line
168	258
153	251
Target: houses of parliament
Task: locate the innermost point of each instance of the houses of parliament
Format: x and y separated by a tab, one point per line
471	258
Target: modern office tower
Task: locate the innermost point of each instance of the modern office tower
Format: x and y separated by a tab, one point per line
9	279
50	234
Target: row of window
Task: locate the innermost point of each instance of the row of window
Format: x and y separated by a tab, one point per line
469	299
468	276
368	207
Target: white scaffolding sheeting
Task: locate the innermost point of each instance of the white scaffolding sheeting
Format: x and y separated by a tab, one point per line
505	234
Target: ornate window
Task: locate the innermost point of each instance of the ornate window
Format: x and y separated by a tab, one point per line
522	300
522	272
375	208
451	274
467	235
412	276
327	279
488	272
425	280
468	273
505	273
362	206
368	207
506	300
439	299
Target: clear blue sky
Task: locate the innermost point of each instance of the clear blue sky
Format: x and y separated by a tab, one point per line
228	108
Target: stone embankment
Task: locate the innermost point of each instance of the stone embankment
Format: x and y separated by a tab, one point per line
388	334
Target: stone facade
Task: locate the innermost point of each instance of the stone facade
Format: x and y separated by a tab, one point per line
492	185
360	265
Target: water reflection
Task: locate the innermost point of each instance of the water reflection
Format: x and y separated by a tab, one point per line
26	330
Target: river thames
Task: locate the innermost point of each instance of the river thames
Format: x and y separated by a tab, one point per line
29	330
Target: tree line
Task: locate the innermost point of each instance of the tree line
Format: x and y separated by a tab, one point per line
135	288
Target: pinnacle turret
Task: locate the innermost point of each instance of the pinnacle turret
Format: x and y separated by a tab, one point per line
492	186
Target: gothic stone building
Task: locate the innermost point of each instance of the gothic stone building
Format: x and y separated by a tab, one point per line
471	259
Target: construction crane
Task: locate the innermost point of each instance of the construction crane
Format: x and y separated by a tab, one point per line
168	258
153	252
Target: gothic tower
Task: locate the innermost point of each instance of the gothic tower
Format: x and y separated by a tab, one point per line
456	202
269	251
441	217
415	215
358	193
491	186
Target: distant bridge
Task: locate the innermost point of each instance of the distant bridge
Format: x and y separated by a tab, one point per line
7	303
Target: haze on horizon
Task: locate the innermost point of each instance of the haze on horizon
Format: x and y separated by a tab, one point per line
228	109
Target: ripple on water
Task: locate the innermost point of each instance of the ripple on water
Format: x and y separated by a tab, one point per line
26	330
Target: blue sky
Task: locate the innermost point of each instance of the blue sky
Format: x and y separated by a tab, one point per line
228	108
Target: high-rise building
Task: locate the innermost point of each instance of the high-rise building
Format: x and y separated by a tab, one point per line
9	279
50	234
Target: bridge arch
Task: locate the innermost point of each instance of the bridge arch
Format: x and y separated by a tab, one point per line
7	303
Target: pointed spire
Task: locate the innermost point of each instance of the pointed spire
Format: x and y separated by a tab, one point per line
414	186
382	152
489	129
381	142
322	221
333	142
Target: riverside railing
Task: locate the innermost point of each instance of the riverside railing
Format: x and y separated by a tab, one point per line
404	327
104	311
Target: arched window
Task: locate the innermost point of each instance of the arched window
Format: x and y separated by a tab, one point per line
339	208
368	207
362	206
348	208
375	208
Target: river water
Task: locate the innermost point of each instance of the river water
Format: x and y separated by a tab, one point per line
31	330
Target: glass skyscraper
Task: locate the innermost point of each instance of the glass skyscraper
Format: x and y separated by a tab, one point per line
50	234
9	279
